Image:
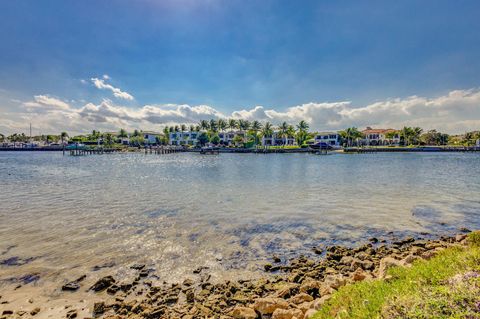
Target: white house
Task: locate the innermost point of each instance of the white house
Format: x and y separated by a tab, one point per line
379	136
276	139
183	138
330	138
150	137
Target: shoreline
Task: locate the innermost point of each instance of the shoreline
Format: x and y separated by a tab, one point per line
298	286
348	150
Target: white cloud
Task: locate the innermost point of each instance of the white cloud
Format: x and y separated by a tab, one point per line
456	112
45	101
102	85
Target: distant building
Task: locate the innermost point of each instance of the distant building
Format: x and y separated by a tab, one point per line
183	138
277	140
150	137
378	137
330	138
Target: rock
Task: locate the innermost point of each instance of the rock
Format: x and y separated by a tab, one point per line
460	237
276	259
72	314
310	286
240	312
385	264
190	296
428	254
7	312
137	266
35	311
318	303
305	306
309	314
373	240
98	308
267	267
317	250
300	298
335	281
409	259
71	286
268	305
188	282
103	284
287	313
359	275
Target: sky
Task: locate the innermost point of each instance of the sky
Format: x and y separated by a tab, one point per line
76	66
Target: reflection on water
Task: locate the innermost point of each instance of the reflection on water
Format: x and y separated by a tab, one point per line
69	215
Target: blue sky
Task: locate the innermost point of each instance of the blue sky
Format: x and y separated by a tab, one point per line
234	55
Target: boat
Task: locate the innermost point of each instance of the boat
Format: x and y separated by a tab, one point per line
210	150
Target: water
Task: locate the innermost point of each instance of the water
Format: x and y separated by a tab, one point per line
61	216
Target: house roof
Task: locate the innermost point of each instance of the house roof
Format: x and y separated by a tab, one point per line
378	130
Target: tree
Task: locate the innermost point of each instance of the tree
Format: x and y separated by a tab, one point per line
176	128
222	125
244	125
238	140
433	137
183	128
232	124
63	136
351	134
302	133
192	127
2	138
215	139
204	125
202	139
410	135
282	131
267	130
136	133
166	135
213	125
256	126
122	133
107	139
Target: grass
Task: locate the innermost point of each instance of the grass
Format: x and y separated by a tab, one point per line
446	286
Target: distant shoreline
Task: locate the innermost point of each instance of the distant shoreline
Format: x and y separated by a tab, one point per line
434	149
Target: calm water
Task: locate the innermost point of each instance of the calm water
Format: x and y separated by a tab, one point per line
62	216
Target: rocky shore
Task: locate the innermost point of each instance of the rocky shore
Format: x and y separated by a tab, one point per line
289	289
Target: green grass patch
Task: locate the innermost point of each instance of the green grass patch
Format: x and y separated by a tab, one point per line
446	286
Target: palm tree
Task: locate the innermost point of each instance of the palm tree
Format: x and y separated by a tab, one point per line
213	126
351	134
166	134
2	138
183	128
122	133
244	125
256	126
192	127
204	125
267	130
170	129
176	128
63	136
232	124
302	133
282	130
136	133
406	133
222	125
197	128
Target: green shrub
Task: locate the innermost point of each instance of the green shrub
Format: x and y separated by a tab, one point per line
474	238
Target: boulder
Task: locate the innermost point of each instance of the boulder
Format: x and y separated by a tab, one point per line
359	275
309	314
243	313
318	303
103	284
268	305
385	264
335	281
300	298
287	314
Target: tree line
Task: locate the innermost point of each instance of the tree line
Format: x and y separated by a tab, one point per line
251	132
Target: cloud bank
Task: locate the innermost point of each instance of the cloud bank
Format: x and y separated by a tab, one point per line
456	112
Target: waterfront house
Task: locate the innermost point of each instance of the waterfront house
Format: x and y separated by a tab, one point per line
150	137
183	138
277	140
380	137
330	138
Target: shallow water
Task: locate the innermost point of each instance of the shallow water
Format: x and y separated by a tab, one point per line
61	216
